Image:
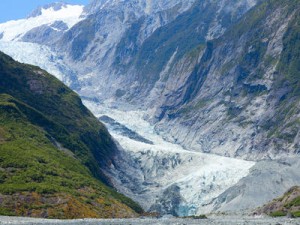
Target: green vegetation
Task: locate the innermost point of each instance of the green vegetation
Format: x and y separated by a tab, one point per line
287	205
199	217
257	15
52	149
278	214
252	33
289	75
289	62
49	104
6	212
293	203
296	214
29	160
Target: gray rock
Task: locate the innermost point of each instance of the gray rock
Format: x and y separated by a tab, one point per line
267	180
46	34
148	221
123	130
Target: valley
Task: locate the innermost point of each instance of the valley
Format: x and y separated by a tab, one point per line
162	176
203	112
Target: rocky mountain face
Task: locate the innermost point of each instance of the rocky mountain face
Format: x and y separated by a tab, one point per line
111	27
132	56
52	150
176	79
244	83
184	61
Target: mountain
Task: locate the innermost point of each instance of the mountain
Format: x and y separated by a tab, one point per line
52	150
246	81
114	42
201	96
44	25
26	39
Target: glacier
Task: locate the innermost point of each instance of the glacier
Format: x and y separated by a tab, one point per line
199	177
39	55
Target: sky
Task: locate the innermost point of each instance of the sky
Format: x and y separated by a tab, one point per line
19	9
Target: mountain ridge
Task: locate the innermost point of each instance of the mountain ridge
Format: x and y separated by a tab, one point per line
46	170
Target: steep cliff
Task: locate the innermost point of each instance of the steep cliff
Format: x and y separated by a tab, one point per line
245	83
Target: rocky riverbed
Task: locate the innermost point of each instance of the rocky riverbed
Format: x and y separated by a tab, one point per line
147	221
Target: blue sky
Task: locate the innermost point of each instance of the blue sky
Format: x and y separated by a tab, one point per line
18	9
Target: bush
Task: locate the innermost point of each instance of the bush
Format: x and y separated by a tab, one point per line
278	214
296	214
200	217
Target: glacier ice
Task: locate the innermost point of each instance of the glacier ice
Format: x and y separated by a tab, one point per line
38	55
200	177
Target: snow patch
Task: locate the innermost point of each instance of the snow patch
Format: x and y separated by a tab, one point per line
148	6
15	29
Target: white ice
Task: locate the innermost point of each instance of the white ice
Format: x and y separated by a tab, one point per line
38	55
15	29
201	177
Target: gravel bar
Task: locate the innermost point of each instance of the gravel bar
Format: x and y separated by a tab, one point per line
147	221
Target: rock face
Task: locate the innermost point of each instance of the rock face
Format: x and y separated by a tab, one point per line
241	84
131	57
266	180
229	66
113	30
